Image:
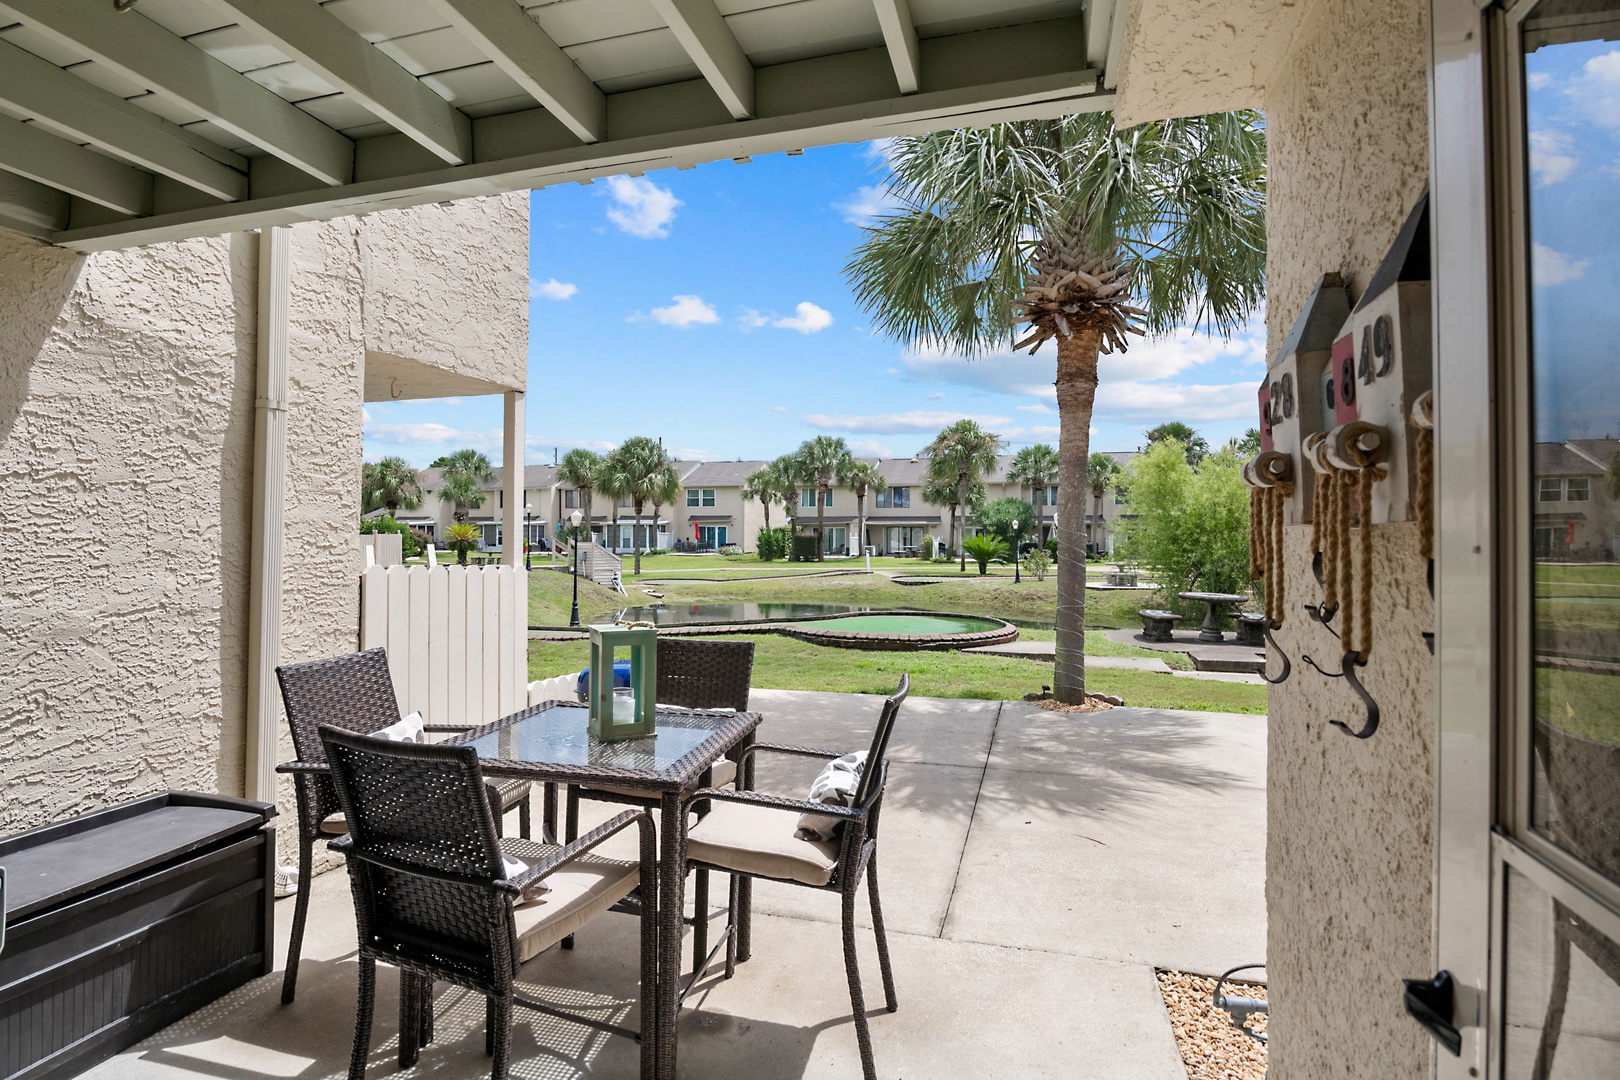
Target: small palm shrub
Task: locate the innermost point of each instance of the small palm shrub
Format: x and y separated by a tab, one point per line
461	538
771	544
984	547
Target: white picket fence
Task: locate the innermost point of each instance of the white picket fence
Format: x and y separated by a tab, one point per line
457	638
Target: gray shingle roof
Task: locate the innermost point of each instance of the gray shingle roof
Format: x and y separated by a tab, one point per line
720	474
1556	459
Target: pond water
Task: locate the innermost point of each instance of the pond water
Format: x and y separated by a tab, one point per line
698	614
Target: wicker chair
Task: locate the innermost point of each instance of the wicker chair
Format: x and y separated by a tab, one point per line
749	834
691	675
433	898
356	693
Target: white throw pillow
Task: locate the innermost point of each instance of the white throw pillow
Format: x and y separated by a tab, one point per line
407	730
513	868
834	786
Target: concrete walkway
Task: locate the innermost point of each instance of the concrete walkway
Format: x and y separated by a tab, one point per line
1036	868
1047	651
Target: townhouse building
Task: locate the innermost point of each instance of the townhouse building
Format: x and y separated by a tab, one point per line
712	513
1577	516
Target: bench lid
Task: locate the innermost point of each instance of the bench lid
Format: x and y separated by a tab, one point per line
51	865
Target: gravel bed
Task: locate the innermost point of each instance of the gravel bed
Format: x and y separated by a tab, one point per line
1211	1048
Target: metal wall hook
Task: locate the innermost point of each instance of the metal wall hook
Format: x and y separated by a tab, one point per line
1352	660
1306	657
1288	665
1321	613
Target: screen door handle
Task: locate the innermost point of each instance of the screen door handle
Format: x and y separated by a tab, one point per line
1431	1003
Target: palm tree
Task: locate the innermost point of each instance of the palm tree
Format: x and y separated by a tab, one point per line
666	491
1194	445
391	484
786	470
462	479
822	460
580	469
765	485
962	453
1085	233
633	470
1035	467
1102	473
862	477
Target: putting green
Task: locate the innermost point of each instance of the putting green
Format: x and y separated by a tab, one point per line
902	624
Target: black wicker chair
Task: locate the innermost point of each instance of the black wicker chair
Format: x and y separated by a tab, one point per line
355	693
432	896
749	834
691	675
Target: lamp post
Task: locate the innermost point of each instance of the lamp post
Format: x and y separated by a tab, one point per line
1016	553
528	563
573	616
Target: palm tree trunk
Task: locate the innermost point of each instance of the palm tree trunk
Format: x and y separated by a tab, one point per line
635	538
1076	393
1035	509
961	500
860	523
821	517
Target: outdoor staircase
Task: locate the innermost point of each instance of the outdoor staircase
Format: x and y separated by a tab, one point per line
602	566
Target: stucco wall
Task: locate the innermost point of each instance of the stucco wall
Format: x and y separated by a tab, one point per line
125	441
1350	846
126	444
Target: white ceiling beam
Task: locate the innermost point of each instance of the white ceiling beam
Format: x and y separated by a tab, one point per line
900	35
325	44
40	89
505	33
30	207
703	33
140	50
35	153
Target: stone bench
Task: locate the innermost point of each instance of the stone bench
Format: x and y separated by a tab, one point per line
1157	625
1251	627
1123	578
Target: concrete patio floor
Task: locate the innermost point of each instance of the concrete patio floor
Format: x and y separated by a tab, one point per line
1036	868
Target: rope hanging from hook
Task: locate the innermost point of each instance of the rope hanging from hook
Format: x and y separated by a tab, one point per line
1276	571
1343	573
1423	469
1363	643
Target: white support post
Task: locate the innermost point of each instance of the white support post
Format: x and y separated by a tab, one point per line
269	501
512	481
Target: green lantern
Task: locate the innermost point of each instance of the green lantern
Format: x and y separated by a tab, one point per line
623	716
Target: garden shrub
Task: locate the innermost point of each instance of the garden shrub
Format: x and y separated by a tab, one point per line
805	549
771	544
386	524
1191	525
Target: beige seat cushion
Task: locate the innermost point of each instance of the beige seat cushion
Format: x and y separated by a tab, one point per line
760	840
724	770
579	892
335	824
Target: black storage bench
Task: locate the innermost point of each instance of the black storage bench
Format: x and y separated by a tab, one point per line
119	922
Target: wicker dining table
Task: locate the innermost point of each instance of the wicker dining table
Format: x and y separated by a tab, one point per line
550	742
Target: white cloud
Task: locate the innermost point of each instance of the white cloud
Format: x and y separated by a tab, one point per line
924	420
1595	92
1039	433
687	310
779	408
806	319
870	448
752	319
879	151
937	395
430	434
1549	267
1552	156
642	208
1539	81
1156	402
869	203
1037	407
552	289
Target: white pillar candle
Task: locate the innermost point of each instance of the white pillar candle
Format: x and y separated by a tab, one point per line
624	708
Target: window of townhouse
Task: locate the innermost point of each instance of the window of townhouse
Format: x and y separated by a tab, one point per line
571	499
807	498
700	496
1577	489
895	497
1551	489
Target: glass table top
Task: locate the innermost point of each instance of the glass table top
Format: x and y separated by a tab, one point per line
559	735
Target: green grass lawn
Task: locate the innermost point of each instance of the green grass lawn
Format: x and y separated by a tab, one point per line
551	598
781	663
1582	702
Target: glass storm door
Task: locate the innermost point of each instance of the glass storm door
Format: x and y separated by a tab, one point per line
1528	883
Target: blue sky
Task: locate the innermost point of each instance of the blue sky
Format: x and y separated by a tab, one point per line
707	307
1573	108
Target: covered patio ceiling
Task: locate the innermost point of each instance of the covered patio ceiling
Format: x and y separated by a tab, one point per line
181	118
